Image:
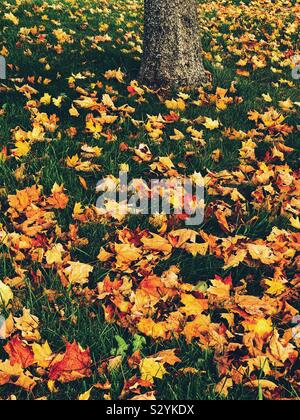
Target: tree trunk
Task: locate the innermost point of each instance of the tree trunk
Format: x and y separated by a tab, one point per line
172	48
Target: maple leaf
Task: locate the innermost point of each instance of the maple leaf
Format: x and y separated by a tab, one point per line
168	356
28	325
86	102
86	395
262	253
19	352
224	386
78	273
43	355
6	294
193	306
219	289
178	135
126	254
157	243
115	74
263	383
58	199
15	375
196	249
235	259
152	369
262	327
179	238
152	329
10	16
280	352
258	172
74	364
46	99
176	105
196	328
104	256
287	105
260	363
115	363
73	112
22	149
276	287
295	222
211	124
55	254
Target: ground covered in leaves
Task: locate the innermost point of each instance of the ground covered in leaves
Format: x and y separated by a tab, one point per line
104	306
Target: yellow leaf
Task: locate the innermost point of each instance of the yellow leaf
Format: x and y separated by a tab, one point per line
176	105
261	326
54	255
16	376
193	306
219	289
73	112
197	249
46	99
42	354
28	324
287	105
12	18
86	102
151	368
115	363
57	101
224	386
151	329
72	161
149	396
126	254
6	294
78	209
264	384
51	387
78	273
267	97
115	74
295	222
22	149
262	253
276	287
157	243
104	256
178	135
281	351
211	124
86	395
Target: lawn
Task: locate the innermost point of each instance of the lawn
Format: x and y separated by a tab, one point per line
109	306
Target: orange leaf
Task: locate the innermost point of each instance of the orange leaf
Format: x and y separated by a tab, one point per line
19	353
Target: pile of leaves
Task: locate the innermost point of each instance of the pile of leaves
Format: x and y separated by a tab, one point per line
100	304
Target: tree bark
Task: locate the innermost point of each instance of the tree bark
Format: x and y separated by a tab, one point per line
172	48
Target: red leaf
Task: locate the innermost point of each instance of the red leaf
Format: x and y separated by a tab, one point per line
75	364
